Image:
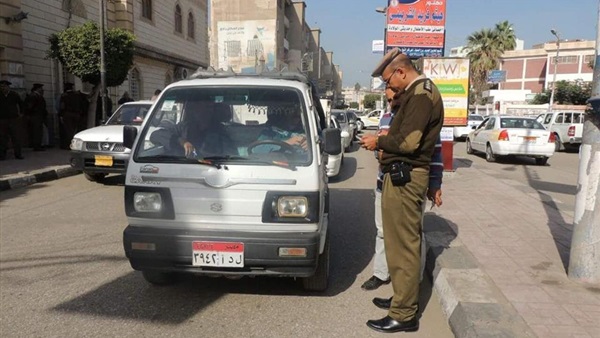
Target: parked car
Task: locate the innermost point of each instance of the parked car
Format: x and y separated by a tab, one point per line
473	120
353	116
99	151
566	126
500	135
342	119
334	162
371	120
242	202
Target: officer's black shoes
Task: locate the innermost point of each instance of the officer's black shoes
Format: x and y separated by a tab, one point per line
374	283
383	303
388	324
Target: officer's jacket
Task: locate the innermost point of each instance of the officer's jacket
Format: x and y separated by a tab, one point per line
416	126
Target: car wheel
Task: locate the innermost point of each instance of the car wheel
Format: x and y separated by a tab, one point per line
469	147
158	277
361	125
558	145
319	281
541	160
96	177
489	154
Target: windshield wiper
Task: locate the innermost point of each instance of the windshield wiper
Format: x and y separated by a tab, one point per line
254	160
178	159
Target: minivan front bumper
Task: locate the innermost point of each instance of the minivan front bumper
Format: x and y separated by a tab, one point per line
170	250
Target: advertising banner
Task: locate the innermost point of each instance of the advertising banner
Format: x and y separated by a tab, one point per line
243	44
417	27
377	47
451	76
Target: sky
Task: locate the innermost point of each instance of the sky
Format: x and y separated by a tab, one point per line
348	27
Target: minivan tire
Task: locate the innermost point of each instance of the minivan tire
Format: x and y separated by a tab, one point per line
319	281
158	278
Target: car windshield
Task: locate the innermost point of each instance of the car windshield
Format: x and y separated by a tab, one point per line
519	122
240	124
475	118
129	114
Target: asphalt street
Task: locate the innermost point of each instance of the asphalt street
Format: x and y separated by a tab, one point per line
63	273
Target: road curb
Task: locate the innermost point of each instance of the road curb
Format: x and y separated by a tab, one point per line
473	304
24	179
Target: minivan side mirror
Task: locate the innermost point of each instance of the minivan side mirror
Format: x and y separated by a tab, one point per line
333	141
129	135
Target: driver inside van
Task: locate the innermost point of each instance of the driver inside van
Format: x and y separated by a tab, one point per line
284	124
201	132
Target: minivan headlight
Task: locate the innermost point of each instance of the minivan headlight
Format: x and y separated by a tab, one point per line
76	144
147	202
292	206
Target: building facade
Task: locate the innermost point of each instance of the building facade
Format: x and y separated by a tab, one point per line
171	42
533	69
246	34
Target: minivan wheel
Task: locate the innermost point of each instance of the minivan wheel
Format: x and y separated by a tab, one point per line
469	147
319	281
489	154
158	277
96	177
541	160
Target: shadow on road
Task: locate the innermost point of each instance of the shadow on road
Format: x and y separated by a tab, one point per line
18	192
347	170
462	163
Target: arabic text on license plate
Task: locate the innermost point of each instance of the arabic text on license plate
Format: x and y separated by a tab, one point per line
103	161
221	254
529	139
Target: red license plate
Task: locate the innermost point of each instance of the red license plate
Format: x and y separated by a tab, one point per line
218	254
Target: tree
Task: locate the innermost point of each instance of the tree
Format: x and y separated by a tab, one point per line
370	99
574	92
486	47
357	87
78	50
353	105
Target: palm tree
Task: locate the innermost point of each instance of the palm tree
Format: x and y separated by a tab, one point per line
485	49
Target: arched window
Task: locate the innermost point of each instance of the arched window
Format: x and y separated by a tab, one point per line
191	26
178	20
135	84
147	9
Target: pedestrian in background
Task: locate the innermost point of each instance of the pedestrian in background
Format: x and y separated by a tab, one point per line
36	113
72	112
155	96
124	98
10	111
406	153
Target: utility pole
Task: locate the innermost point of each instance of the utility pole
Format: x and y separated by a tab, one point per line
555	33
584	265
103	90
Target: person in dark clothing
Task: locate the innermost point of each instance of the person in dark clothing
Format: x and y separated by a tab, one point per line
72	109
99	117
10	111
36	114
125	98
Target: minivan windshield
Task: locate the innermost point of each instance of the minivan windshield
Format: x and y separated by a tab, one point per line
233	124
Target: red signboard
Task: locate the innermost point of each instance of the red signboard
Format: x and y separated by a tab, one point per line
417	27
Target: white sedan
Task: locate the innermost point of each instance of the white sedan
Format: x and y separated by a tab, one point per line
334	162
371	120
500	135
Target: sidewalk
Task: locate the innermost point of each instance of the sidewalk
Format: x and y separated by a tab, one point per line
497	250
498	255
39	166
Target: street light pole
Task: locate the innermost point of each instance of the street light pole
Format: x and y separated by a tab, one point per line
555	33
383	10
102	60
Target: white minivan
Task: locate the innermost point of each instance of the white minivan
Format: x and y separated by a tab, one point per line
228	178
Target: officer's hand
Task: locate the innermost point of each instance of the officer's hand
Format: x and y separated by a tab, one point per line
189	148
369	142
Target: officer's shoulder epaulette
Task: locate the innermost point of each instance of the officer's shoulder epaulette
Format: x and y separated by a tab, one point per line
428	85
424	87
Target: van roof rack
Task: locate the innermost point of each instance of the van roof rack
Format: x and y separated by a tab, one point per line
283	74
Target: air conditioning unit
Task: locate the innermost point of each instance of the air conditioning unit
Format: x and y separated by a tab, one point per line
181	73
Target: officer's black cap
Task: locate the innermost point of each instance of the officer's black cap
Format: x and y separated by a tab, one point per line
4	82
37	85
69	85
387	59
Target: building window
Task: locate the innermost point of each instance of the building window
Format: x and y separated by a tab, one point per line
233	48
135	85
178	20
191	26
566	59
147	9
